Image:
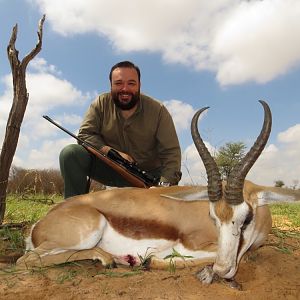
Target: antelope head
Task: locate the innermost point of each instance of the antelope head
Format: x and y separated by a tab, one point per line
231	209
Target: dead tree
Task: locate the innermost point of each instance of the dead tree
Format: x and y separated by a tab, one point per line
15	118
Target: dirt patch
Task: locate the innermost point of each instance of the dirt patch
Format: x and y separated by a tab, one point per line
272	272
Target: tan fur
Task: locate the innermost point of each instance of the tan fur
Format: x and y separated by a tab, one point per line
263	225
40	257
223	211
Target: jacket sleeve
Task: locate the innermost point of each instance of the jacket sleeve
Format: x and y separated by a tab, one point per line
90	129
169	151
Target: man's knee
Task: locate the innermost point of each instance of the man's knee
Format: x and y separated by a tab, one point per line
72	151
75	163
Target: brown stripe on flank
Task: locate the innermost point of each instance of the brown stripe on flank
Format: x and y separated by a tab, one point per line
223	211
142	229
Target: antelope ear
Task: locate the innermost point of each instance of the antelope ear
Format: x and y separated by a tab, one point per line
198	193
277	195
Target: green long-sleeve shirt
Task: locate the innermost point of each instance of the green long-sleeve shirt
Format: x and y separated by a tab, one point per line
148	136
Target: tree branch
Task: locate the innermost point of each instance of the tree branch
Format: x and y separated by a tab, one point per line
12	53
38	46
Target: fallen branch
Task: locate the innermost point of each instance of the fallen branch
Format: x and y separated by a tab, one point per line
20	225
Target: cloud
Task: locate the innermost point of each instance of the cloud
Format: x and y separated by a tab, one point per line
290	136
181	112
71	119
193	170
40	65
47	92
280	161
258	41
232	38
44	156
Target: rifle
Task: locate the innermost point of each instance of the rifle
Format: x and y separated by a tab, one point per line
129	171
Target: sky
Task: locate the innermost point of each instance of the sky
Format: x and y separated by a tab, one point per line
225	54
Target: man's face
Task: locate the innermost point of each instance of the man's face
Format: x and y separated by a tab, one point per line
125	88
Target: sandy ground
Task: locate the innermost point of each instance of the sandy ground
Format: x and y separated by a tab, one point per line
268	273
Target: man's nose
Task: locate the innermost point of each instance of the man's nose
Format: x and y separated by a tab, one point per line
124	87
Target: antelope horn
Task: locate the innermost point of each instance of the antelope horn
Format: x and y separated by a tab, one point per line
213	175
235	181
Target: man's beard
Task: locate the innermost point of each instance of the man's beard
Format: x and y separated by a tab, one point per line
135	97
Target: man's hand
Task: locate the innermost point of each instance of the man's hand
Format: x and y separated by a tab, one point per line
126	156
105	150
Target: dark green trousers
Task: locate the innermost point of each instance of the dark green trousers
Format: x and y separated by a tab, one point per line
77	165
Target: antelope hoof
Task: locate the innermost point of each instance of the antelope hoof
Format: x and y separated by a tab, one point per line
111	265
206	275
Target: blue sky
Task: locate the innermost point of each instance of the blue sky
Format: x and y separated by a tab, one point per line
224	54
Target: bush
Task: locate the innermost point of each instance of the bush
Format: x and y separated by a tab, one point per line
45	182
33	181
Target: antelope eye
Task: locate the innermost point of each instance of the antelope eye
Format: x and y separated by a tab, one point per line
248	220
244	226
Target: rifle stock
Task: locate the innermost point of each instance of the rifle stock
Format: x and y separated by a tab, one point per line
130	172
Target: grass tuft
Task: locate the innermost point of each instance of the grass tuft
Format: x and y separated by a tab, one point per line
286	215
172	260
29	209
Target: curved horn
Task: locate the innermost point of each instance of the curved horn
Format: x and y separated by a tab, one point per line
235	181
214	178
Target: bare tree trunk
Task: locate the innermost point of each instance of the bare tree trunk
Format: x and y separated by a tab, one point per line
20	99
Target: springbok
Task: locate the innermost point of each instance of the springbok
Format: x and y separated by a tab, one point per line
122	226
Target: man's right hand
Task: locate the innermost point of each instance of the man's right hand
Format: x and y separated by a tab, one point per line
126	156
105	150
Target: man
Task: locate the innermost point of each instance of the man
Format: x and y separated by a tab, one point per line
138	127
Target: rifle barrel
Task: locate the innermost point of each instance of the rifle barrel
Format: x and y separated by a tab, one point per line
82	142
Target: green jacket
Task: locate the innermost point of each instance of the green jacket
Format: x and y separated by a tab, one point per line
148	136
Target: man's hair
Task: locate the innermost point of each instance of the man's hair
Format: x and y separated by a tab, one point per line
125	64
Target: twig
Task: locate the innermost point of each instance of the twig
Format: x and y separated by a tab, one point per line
14	225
